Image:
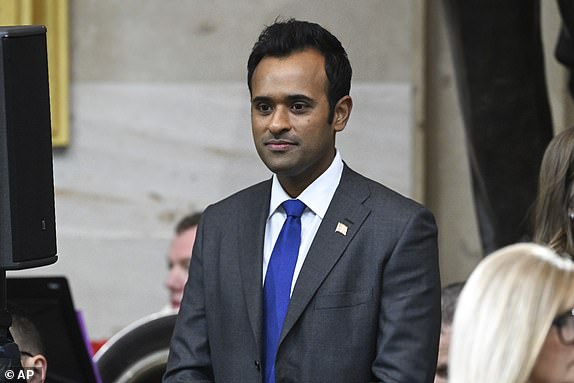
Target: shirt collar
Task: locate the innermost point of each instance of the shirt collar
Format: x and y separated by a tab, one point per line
316	196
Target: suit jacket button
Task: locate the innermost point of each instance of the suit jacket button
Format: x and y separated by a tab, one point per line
258	365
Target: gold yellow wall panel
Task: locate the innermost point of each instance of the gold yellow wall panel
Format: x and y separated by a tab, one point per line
54	15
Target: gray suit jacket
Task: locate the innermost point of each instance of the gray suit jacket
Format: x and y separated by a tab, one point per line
365	307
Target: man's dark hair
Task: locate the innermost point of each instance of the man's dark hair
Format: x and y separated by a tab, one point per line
187	222
449	298
285	37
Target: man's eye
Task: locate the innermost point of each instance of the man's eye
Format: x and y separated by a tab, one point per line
263	108
299	107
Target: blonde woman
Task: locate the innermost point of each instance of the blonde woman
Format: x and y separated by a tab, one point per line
514	320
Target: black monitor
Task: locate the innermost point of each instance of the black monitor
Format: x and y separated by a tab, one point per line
47	301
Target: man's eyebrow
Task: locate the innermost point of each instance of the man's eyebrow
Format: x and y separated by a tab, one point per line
300	97
289	98
261	99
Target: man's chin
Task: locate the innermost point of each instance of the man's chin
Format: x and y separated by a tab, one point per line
277	161
281	167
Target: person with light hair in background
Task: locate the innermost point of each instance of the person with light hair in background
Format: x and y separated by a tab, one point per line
514	321
179	257
32	350
554	208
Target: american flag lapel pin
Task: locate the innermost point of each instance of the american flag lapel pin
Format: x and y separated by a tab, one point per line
341	228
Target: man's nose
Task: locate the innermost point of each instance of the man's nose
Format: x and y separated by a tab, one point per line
279	120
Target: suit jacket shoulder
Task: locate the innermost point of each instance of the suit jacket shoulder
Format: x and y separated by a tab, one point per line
247	201
377	196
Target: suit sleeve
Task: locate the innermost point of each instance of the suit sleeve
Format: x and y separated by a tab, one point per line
409	320
189	356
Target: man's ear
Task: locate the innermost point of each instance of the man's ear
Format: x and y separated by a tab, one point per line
40	365
342	113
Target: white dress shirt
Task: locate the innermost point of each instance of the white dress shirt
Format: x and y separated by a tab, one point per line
316	198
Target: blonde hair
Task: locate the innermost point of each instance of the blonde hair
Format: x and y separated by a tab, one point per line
505	311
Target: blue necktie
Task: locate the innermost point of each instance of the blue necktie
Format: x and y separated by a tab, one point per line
277	287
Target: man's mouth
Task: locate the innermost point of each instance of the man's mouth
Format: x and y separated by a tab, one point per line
280	145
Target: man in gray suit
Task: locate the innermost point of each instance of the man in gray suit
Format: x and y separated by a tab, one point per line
362	302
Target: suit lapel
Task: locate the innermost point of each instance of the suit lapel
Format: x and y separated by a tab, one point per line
250	240
347	209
